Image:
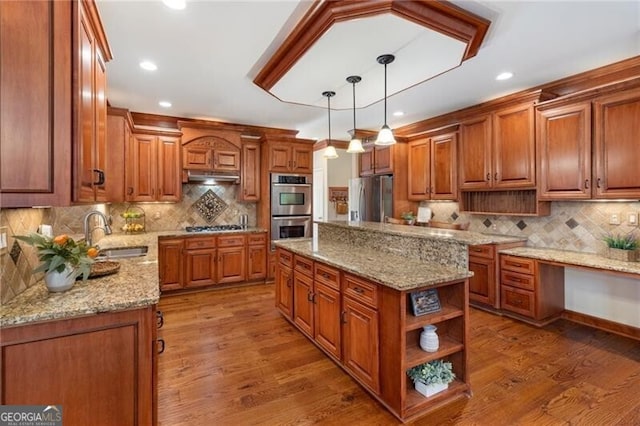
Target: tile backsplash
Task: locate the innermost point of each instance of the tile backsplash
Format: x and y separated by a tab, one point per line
577	226
16	265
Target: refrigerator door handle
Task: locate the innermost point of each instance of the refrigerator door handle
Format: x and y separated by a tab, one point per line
363	204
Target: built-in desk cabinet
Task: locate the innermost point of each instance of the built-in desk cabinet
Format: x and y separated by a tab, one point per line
370	331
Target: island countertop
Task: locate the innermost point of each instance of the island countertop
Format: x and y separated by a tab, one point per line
390	270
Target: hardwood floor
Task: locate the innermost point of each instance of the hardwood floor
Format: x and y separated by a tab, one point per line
231	359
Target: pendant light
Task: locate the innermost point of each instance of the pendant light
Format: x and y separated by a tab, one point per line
385	136
355	144
330	152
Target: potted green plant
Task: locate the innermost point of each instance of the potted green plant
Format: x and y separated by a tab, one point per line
432	377
62	259
622	247
408	217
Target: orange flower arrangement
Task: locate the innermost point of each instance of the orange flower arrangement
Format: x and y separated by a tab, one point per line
57	252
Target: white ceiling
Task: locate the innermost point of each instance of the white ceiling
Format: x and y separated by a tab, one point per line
209	53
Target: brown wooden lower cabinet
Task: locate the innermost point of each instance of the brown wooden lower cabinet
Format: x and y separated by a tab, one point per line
98	367
202	261
370	331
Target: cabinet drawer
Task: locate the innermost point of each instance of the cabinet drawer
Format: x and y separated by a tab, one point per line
517	264
285	258
304	265
200	242
327	275
255	239
517	300
231	241
486	251
515	279
363	291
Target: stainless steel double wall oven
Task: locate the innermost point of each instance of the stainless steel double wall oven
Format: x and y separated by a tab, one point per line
291	196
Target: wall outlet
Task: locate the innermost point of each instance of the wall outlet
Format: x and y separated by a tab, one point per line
632	219
614	219
3	239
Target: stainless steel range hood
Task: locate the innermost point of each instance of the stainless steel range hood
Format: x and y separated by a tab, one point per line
211	178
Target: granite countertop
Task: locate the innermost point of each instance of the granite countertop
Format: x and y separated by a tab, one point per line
396	272
183	233
465	237
589	260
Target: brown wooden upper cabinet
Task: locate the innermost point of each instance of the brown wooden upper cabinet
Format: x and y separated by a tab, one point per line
153	167
432	168
290	157
376	160
497	150
212	154
250	171
575	164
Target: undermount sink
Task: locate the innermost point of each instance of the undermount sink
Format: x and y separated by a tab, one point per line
120	252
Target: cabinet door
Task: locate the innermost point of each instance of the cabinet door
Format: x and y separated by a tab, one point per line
419	170
302	158
169	184
383	159
483	285
280	157
444	182
564	152
303	302
257	263
170	263
143	168
226	161
200	267
100	80
250	172
366	161
231	265
474	153
118	135
43	129
360	342
198	158
327	319
284	289
514	148
616	145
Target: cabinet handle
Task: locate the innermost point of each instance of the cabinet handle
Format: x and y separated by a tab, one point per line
495	176
475	249
325	276
488	177
512	278
586	184
517	265
159	319
130	190
162	346
153	192
358	290
289	282
160	192
295	165
343	317
598	183
100	177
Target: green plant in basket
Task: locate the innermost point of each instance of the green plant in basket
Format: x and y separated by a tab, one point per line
621	242
55	253
432	372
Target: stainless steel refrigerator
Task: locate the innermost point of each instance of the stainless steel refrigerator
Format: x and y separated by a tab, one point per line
370	198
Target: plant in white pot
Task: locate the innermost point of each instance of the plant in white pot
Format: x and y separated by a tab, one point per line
432	377
622	247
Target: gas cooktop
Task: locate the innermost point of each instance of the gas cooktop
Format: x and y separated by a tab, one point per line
212	228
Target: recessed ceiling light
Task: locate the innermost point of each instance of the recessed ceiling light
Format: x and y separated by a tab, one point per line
504	75
165	104
148	65
398	113
175	4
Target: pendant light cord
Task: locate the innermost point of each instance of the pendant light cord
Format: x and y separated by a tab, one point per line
329	113
385	94
354	109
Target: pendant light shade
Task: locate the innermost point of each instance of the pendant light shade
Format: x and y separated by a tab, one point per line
385	136
330	151
355	144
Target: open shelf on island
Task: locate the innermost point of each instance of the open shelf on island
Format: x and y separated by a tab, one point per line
447	312
416	402
415	355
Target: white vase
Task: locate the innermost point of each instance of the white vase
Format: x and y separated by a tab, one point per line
429	390
429	339
60	281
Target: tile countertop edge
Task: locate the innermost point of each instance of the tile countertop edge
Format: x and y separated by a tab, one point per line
589	260
366	264
464	237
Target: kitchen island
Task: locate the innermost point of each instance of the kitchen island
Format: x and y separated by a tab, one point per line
355	303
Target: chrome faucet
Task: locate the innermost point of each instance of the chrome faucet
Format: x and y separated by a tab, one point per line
89	231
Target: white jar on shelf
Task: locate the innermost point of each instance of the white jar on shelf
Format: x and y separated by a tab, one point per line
429	340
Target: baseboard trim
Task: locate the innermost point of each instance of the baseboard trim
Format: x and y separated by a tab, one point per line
603	324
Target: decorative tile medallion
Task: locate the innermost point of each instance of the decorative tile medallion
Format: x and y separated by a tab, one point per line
572	223
210	206
521	225
15	252
487	223
454	215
